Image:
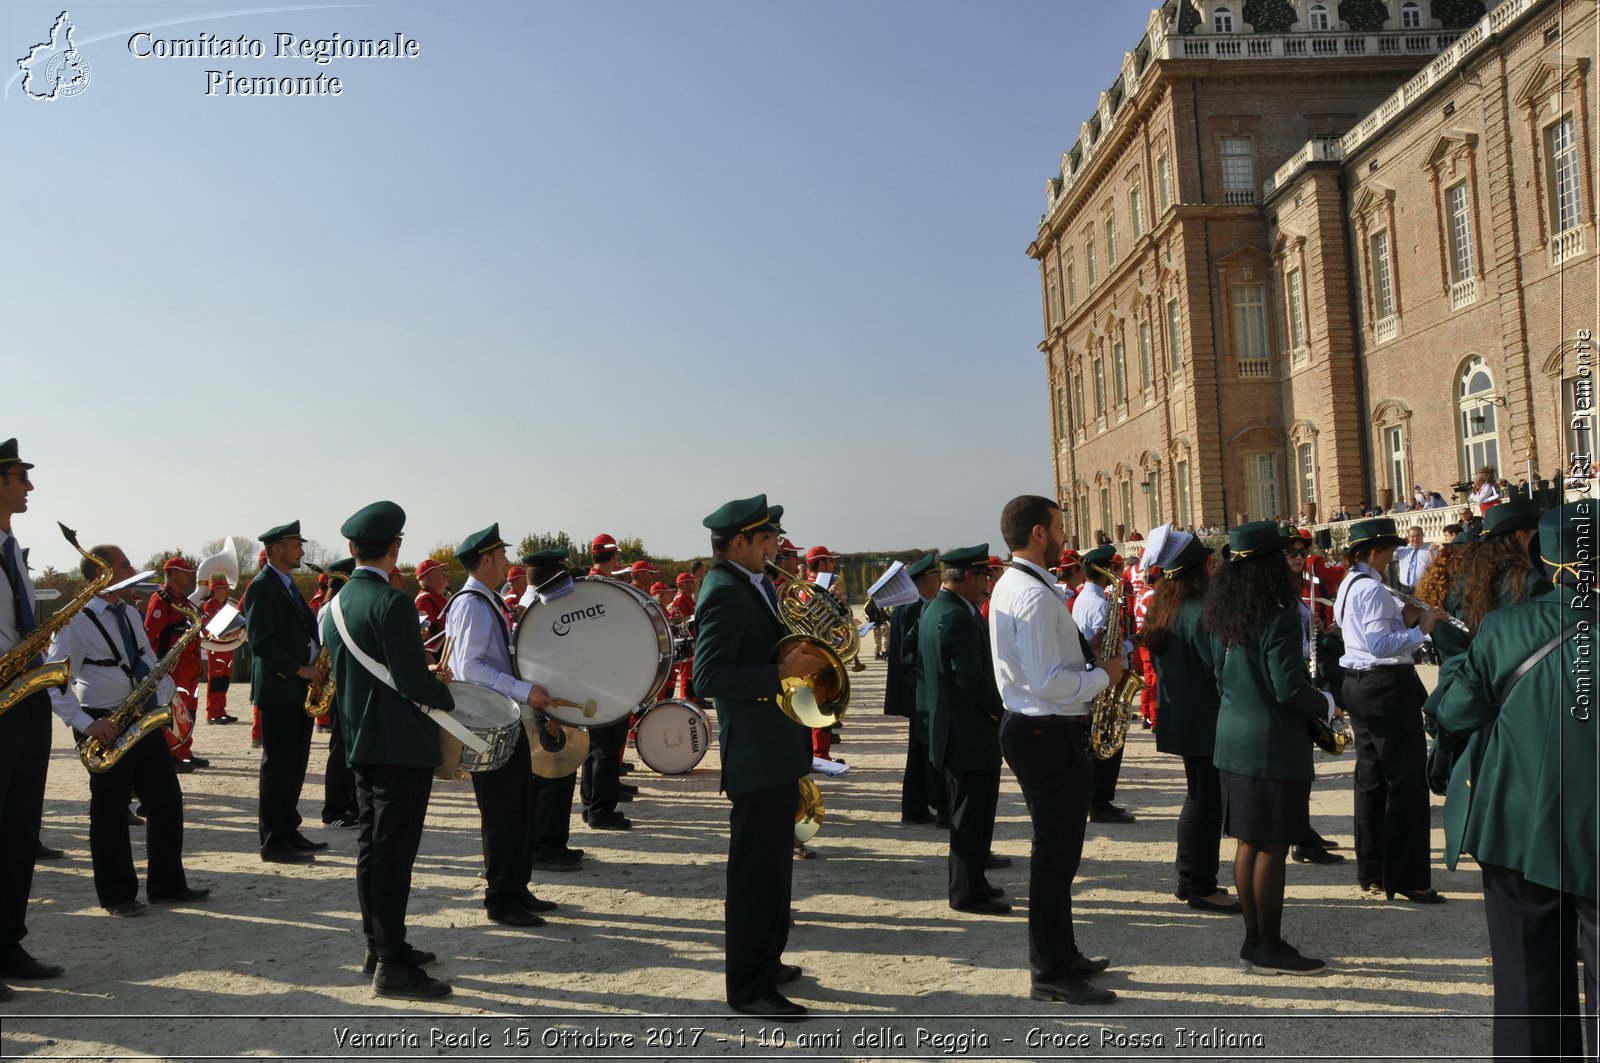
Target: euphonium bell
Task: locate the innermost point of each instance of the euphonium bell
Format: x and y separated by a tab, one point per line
818	700
809	811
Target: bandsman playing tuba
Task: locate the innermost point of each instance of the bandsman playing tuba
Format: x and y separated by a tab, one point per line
110	656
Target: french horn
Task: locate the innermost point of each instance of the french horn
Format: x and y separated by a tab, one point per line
814	701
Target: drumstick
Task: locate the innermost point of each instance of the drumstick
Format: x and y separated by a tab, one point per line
588	707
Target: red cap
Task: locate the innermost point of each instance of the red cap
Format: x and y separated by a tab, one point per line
1116	559
684	577
428	565
642	566
1304	533
516	572
261	558
322	579
602	542
1070	559
818	553
786	547
995	562
658	587
177	564
219	581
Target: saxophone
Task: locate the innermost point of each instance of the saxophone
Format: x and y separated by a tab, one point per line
319	697
17	679
131	721
1331	740
1112	709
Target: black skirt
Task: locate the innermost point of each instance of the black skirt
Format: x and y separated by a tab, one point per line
1265	810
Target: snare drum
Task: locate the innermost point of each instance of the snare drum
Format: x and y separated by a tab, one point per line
602	641
672	736
490	715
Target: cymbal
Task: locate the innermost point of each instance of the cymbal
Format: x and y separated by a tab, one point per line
564	761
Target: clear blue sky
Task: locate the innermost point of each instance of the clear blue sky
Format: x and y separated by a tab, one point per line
589	267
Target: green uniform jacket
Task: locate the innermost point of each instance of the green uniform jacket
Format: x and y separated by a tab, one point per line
911	668
1523	795
761	747
280	627
1267	697
1186	686
1452	643
900	686
956	690
384	726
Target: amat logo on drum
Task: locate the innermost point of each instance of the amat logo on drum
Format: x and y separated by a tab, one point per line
563	623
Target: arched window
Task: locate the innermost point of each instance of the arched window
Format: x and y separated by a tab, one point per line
1410	15
1319	17
1222	20
1477	403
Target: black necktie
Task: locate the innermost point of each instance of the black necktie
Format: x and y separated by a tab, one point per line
19	596
136	661
771	593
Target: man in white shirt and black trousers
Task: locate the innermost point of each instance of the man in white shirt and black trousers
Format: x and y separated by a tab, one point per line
110	654
24	739
479	635
1046	687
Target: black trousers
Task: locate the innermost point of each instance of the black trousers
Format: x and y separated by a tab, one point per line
1106	773
338	781
973	796
394	804
1391	785
552	815
602	768
1537	936
505	808
24	764
146	768
922	786
1200	827
285	752
1047	756
760	883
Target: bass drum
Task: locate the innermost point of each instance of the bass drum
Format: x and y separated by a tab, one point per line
602	642
672	736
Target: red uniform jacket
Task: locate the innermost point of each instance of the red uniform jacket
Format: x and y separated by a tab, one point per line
430	607
219	664
164	624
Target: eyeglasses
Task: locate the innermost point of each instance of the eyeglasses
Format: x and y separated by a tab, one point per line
21	474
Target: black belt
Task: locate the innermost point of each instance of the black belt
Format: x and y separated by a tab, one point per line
1382	668
1053	717
99	714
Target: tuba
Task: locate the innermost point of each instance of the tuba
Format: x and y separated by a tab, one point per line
18	680
132	722
319	696
807	609
1112	709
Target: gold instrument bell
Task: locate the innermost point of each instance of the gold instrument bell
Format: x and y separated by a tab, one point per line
809	812
819	700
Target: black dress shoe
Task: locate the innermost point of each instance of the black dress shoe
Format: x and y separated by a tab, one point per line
787	972
1322	843
183	767
1072	991
611	821
623	796
126	909
306	845
285	855
534	904
1110	814
627	788
995	863
996	891
188	893
986	906
1311	854
775	1004
200	762
402	981
941	821
559	863
1182	891
1228	907
1416	896
222	719
516	917
1087	966
18	963
44	852
6	992
415	957
916	817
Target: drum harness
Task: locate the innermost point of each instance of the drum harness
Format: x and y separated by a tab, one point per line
439	716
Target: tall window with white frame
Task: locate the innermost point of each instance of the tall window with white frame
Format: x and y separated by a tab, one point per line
1295	312
1261	484
1382	285
1136	212
1395	449
1072	286
1099	386
1152	489
1185	508
1250	329
1163	182
1111	239
1119	373
1566	192
1126	487
1238	171
1476	403
1578	397
1105	509
1174	335
1146	357
1077	400
1458	206
1410	15
1308	474
1061	411
1051	315
1089	261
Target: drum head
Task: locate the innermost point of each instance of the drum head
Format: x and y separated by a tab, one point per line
483	708
673	736
604	642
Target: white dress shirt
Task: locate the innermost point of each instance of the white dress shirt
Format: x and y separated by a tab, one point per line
9	635
99	686
1038	657
760	581
480	647
1411	562
1090	611
1375	631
